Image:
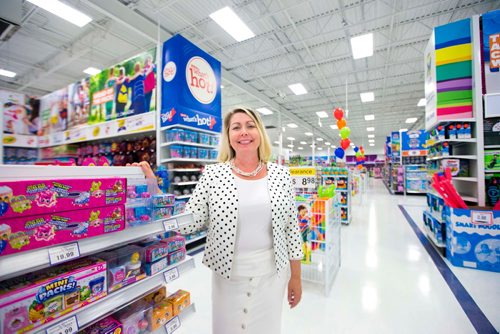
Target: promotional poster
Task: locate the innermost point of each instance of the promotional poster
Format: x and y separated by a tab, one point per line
20	113
191	93
78	103
54	111
396	146
412	143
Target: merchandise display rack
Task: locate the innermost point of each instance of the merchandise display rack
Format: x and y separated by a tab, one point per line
415	179
343	187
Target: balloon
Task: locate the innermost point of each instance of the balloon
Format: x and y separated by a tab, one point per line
356	149
360	167
341	123
345	132
361	148
358	154
339	152
344	143
338	113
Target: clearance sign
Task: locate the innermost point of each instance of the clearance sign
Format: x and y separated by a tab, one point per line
303	177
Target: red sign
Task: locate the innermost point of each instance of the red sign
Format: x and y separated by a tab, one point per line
495	51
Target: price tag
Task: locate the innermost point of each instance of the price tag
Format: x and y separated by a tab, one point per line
304	182
173	325
68	326
170	225
171	275
63	253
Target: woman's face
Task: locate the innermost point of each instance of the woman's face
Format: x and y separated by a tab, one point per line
244	136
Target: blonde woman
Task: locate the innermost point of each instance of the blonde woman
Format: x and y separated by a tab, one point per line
254	245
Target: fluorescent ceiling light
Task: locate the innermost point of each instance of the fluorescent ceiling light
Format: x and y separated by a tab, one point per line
411	120
300	148
367	97
319	148
371	140
319	139
372	144
290	138
328	143
292	125
221	86
64	11
334	127
403	130
333	146
283	128
421	103
6	73
291	146
298	89
91	71
303	143
369	117
227	19
370	129
309	134
277	142
371	136
264	111
322	114
362	46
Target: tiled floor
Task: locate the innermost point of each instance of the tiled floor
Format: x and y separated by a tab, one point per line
387	282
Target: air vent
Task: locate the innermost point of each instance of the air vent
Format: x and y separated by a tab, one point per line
270	127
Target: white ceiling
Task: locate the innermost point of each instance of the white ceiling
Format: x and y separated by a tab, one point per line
296	41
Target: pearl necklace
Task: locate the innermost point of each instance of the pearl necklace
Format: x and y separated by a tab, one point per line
248	174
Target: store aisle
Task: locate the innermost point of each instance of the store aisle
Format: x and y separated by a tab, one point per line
387	282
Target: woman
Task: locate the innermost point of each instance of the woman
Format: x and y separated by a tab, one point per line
253	235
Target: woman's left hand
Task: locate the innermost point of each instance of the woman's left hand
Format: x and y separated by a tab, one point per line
294	291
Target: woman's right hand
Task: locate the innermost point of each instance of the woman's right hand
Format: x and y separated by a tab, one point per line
146	169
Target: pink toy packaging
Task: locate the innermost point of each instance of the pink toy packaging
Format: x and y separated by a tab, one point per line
37	298
38	197
27	233
108	325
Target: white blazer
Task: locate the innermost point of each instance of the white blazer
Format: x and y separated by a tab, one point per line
214	203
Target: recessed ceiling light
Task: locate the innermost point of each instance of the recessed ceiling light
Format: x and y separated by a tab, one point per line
403	130
319	148
369	117
264	111
371	136
64	11
283	129
292	125
370	129
334	127
303	143
371	140
311	145
277	142
227	19
322	114
367	97
6	73
421	103
300	148
298	89
411	120
328	143
291	146
333	146
309	134
362	46
372	144
91	71
290	138
319	139
221	86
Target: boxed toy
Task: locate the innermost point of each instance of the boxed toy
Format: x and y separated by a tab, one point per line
38	197
27	233
162	312
134	318
492	160
179	301
108	325
473	238
28	301
492	187
176	256
491	131
457	167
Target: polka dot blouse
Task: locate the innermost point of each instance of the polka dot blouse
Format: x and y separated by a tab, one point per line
214	204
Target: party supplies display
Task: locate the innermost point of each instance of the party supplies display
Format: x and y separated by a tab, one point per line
179	300
27	233
108	325
37	197
29	301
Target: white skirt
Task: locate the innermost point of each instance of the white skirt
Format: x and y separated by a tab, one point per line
247	303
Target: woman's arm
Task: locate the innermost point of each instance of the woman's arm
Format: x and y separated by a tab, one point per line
198	204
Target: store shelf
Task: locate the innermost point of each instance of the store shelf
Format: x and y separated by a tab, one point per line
183	197
432	238
185	170
186	160
491	146
188	144
190	241
415	179
179	126
120	298
415	192
466	179
492	171
13	140
185	314
466	198
454	141
470	157
187	183
21	263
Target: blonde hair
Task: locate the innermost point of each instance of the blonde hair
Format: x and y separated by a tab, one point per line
227	153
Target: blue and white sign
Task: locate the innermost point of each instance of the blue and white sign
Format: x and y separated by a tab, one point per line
191	93
412	143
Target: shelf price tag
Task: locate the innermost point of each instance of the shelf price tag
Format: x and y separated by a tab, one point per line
67	326
303	177
173	325
170	224
171	275
63	253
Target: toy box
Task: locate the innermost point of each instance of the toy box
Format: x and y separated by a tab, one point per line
38	197
154	250
174	243
108	325
473	238
176	256
31	300
156	296
154	268
162	312
27	233
134	318
492	187
457	167
491	131
179	301
492	160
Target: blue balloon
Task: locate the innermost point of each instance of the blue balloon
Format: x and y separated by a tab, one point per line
356	149
339	152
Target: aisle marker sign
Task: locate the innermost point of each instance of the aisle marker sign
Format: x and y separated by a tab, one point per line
63	253
170	224
303	177
171	275
173	325
67	326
